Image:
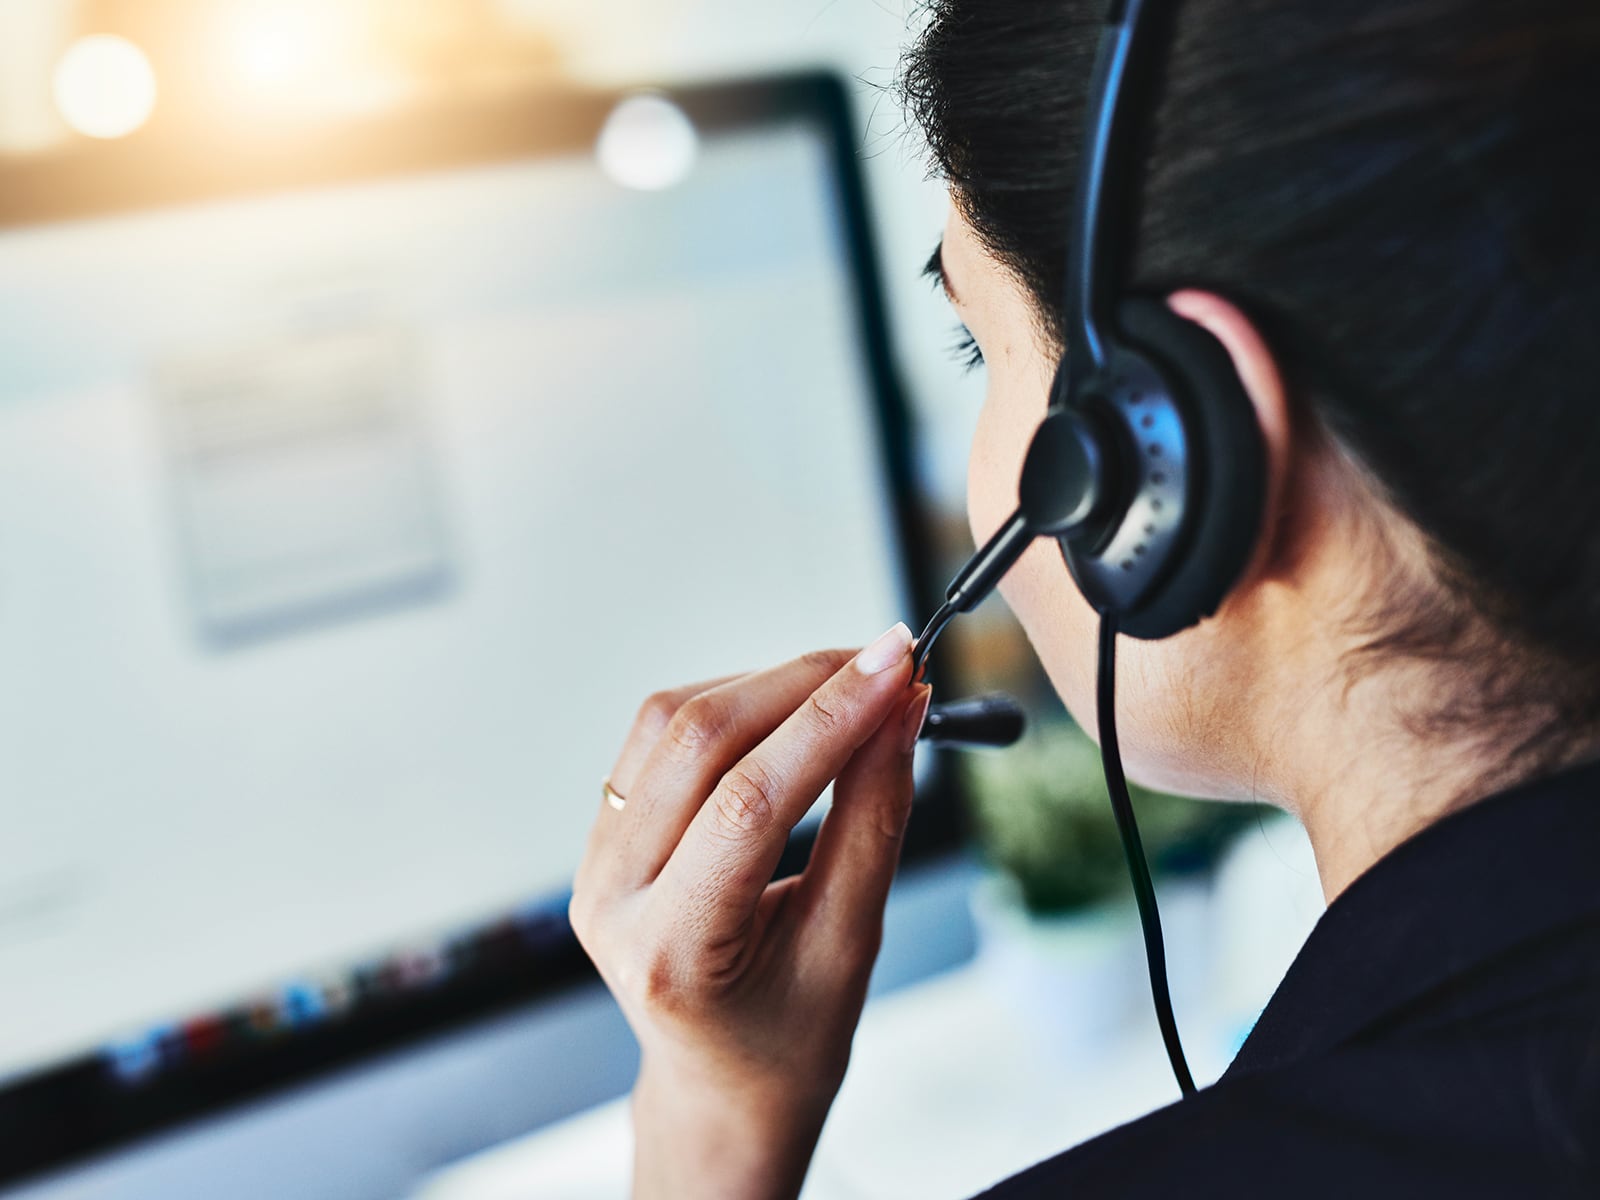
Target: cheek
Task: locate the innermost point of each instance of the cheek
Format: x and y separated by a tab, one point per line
1005	426
1162	713
991	476
1039	590
1061	626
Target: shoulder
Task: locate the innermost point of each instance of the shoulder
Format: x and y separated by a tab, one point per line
1406	1119
1439	1035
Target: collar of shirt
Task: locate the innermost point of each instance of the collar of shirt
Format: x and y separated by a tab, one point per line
1473	886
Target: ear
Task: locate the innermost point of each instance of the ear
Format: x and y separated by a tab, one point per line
1263	383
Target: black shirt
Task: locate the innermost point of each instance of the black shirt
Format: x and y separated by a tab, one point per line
1438	1034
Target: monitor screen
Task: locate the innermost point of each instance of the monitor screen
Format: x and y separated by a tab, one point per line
343	528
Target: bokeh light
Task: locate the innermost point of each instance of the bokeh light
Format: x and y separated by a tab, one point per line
271	46
105	87
648	143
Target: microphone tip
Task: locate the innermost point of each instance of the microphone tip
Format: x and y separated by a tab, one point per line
992	721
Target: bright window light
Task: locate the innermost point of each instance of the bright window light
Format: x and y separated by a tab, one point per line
274	46
648	143
104	86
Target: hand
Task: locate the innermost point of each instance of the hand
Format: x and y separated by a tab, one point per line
745	993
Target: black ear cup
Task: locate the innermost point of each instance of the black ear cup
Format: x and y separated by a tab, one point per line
1191	474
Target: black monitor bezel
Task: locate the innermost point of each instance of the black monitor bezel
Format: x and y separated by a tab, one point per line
75	1111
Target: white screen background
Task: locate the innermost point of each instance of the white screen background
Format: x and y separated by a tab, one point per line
631	439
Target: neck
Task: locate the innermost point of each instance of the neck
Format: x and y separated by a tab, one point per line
1359	799
1369	748
1363	793
1366	747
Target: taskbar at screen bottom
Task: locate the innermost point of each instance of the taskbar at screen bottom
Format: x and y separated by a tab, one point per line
184	1070
175	1071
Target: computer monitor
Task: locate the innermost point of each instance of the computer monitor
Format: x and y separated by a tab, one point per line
354	490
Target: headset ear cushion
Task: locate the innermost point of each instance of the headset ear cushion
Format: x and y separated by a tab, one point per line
1225	512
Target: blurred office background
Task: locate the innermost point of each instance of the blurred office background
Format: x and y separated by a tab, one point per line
284	730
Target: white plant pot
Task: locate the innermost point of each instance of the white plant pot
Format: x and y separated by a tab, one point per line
1074	982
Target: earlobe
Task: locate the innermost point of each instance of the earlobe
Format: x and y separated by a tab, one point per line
1263	384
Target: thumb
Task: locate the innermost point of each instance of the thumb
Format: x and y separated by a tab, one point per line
846	883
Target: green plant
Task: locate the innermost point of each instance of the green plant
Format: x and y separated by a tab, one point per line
1042	815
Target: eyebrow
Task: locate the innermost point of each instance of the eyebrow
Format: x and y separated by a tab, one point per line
934	270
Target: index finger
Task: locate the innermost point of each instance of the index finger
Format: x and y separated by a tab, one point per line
651	722
727	856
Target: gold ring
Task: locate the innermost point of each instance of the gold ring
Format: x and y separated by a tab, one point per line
612	797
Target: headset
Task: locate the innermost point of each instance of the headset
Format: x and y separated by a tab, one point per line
1149	468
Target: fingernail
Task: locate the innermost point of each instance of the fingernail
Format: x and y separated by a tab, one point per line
886	651
916	714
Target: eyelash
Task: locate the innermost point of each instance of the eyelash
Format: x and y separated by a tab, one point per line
965	349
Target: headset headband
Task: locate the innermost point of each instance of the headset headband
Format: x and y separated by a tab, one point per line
1102	211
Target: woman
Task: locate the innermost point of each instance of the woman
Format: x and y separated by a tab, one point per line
1381	212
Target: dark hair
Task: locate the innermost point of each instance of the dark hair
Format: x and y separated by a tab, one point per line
1401	195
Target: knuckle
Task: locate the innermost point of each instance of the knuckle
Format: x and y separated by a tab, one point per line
698	727
580	915
746	799
651	979
824	662
828	713
894	814
655	713
659	984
